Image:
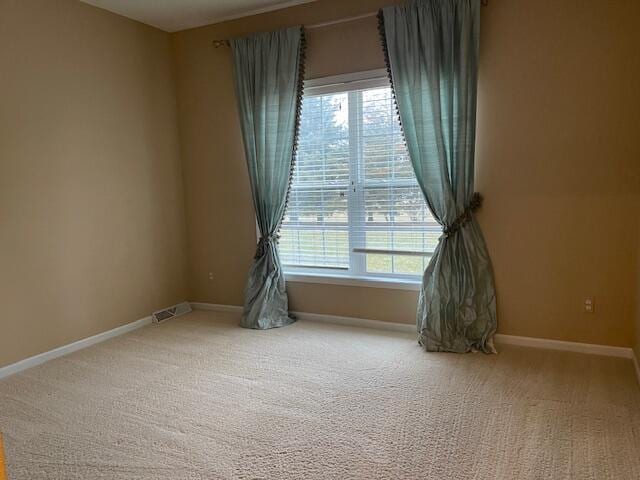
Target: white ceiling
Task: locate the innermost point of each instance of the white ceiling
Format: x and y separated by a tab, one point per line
175	15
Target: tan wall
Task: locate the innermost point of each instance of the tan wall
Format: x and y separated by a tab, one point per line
92	232
557	162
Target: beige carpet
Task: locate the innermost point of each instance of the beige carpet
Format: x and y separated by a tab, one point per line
199	398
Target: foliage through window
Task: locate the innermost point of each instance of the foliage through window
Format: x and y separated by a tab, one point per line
355	207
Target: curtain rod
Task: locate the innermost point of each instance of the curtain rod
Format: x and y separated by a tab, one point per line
225	42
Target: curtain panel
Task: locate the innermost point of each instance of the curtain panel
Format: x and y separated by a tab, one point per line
431	50
268	71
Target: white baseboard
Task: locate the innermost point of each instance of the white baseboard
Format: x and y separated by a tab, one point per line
594	349
355	322
72	347
544	343
316	317
215	307
548	344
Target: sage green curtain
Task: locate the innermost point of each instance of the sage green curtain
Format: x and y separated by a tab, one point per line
431	47
268	69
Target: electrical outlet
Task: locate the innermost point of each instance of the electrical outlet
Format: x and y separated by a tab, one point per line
210	276
589	305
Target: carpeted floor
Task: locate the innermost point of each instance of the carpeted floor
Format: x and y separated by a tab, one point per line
199	398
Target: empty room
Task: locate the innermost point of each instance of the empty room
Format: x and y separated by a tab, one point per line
320	239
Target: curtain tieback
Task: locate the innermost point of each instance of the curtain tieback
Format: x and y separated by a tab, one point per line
474	204
263	243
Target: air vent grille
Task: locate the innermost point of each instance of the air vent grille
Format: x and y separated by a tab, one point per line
175	311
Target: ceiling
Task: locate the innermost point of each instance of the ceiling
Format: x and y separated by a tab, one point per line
175	15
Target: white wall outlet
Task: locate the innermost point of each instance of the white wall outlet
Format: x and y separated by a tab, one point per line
589	305
210	276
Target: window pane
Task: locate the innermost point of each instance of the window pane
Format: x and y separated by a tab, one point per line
392	200
315	227
314	248
379	263
409	265
354	188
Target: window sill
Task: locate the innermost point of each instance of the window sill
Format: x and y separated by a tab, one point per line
374	282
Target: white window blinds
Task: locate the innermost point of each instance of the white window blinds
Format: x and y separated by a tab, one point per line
315	232
355	207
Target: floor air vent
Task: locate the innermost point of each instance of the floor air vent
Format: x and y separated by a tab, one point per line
167	313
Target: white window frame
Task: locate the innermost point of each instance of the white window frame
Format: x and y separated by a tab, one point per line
356	274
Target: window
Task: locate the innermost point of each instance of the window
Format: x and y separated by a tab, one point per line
355	208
